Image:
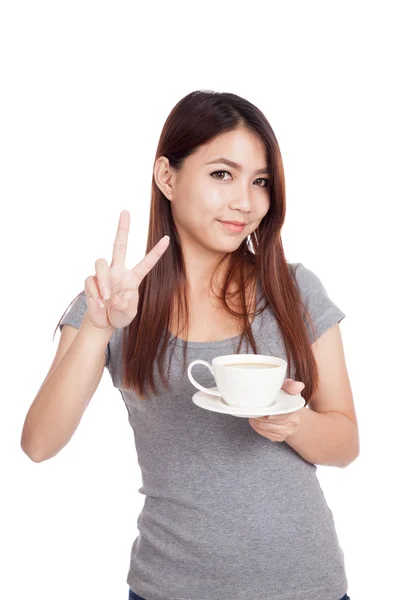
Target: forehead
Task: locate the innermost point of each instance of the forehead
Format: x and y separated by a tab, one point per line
240	145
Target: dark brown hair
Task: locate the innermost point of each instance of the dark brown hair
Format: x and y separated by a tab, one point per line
196	119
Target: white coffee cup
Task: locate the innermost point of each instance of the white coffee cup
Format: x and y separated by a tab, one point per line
241	382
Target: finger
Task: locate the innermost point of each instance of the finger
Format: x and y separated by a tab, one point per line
148	262
120	302
101	267
273	434
278	418
92	292
121	240
274	427
293	387
280	415
273	417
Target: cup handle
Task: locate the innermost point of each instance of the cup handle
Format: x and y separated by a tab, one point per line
200	387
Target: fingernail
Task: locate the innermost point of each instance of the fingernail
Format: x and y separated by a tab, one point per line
106	292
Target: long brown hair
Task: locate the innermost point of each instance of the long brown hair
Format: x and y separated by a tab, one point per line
196	119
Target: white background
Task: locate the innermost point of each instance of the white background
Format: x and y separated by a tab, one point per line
85	90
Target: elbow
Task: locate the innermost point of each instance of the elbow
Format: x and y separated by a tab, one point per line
355	453
31	450
35	457
36	454
351	460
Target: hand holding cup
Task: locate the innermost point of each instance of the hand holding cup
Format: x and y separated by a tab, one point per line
282	426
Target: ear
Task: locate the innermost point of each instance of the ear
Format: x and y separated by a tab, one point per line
163	175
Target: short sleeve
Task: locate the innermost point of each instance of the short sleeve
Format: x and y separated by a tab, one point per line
75	316
323	311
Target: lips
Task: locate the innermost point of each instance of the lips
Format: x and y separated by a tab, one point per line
232	227
234	223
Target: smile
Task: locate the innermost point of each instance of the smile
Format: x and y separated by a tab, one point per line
234	228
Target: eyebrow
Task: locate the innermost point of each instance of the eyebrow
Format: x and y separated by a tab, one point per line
235	165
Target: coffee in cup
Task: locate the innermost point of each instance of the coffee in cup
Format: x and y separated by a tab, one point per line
250	365
244	380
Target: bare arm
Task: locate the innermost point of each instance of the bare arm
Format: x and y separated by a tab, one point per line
79	363
328	439
64	395
328	430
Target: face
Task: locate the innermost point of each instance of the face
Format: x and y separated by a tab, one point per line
202	195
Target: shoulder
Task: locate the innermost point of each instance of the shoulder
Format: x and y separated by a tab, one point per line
74	317
323	311
308	282
76	311
301	273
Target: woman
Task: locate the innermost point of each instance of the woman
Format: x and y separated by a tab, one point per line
233	507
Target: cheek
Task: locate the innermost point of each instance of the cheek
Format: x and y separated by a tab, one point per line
261	215
214	200
264	207
202	203
209	210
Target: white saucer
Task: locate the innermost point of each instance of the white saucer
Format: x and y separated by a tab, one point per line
283	403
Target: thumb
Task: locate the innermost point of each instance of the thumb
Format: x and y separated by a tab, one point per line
293	387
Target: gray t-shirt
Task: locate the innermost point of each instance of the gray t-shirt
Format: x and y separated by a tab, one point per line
228	514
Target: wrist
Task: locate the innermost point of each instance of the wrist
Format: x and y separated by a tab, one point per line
88	325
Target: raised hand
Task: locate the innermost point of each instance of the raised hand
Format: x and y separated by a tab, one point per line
112	293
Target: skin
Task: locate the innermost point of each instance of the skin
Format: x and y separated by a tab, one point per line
199	199
281	426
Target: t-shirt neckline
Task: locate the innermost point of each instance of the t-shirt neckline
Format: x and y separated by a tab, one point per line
255	326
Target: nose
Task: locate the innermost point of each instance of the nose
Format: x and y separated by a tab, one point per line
242	199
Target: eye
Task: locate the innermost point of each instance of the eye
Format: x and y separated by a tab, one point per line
267	181
217	172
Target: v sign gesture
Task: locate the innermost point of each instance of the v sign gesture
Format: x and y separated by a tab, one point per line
116	284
